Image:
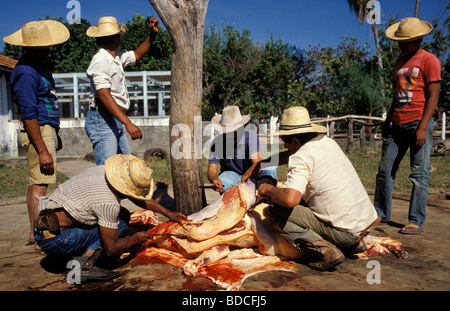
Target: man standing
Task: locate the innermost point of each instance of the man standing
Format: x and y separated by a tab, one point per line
84	216
417	76
236	150
33	90
109	99
338	211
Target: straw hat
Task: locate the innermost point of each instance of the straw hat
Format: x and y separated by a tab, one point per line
230	119
130	176
409	29
39	34
106	26
296	120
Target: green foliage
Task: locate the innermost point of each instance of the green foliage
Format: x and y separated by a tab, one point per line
160	54
264	79
238	72
75	54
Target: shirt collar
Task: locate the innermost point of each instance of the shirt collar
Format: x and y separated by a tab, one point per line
106	54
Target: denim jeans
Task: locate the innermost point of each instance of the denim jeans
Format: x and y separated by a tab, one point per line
107	135
400	138
72	240
230	178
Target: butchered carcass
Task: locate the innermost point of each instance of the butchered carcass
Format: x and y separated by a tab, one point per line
377	246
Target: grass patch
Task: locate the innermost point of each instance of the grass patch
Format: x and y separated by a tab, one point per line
14	180
366	161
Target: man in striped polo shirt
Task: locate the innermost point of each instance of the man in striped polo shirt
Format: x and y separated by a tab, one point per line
84	216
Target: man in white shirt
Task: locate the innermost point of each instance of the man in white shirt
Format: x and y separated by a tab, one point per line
339	211
109	99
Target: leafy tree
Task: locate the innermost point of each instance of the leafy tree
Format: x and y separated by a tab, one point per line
75	54
229	59
159	56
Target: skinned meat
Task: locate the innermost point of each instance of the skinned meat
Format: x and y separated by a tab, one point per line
224	214
226	272
270	242
201	244
377	246
240	235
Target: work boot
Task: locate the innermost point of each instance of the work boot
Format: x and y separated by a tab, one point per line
90	272
326	256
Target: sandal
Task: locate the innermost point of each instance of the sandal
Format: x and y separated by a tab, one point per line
410	225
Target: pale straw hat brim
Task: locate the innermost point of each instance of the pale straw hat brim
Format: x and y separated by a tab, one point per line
119	174
409	29
58	33
107	26
227	128
296	121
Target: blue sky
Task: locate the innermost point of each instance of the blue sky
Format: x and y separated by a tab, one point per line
302	23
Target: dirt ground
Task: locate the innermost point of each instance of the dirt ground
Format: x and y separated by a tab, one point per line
427	268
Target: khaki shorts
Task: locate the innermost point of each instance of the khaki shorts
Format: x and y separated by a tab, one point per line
51	141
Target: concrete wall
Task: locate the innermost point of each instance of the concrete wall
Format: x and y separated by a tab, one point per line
76	142
155	131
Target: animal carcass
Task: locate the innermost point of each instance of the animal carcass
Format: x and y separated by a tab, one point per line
377	246
201	243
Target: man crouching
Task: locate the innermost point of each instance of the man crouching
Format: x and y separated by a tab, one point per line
338	211
84	216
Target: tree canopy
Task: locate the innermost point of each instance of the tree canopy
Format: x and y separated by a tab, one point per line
265	78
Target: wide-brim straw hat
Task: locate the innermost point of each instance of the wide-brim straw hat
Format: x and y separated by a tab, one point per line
37	34
130	176
409	29
106	26
296	120
230	119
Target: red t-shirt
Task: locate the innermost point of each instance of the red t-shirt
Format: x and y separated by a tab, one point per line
411	78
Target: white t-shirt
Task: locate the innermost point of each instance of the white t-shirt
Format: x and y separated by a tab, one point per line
328	182
106	72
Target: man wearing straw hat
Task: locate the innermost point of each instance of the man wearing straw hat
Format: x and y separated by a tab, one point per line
417	75
338	211
236	150
33	90
109	99
84	216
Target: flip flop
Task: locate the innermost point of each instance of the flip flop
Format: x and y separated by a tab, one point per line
411	225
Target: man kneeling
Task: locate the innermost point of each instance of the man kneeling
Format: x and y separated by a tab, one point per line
338	212
84	216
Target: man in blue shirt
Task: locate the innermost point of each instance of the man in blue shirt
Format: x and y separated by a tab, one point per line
236	150
33	89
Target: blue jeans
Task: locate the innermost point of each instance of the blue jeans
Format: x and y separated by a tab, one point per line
73	241
395	146
107	135
230	178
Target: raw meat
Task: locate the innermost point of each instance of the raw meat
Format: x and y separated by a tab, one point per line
201	243
377	246
228	273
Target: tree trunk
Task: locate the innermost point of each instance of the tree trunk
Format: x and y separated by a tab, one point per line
416	10
185	21
350	135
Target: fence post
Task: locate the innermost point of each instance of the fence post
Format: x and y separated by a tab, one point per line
350	135
362	136
443	127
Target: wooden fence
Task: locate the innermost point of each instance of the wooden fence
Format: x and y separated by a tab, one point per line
367	127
